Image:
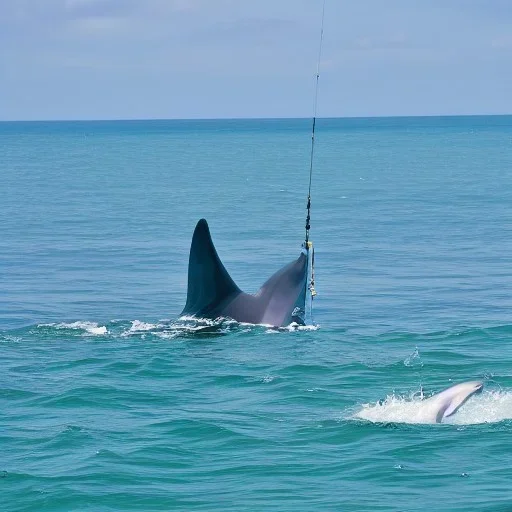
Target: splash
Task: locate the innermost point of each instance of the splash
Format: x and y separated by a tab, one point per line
298	327
488	407
138	327
184	327
414	359
91	328
293	327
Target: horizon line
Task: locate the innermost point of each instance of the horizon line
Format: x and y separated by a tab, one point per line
406	116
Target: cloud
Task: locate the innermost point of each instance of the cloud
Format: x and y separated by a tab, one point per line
251	27
233	57
98	25
390	42
97	8
502	42
34	13
500	10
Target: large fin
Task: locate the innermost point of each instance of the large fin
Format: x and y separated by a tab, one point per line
209	284
212	292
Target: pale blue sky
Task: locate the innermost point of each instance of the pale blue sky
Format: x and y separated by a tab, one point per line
125	59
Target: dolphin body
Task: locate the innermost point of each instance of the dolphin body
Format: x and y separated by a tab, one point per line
212	293
448	402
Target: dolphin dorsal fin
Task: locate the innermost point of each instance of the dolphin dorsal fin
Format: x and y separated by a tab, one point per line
454	405
209	283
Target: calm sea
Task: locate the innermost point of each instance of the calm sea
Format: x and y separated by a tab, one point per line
110	402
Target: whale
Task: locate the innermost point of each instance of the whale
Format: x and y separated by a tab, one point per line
446	403
212	293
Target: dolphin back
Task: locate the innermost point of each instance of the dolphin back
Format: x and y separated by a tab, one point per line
449	401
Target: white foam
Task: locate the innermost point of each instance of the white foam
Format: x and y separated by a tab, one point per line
491	407
293	327
488	407
89	327
204	321
167	335
297	327
138	326
229	321
97	330
7	338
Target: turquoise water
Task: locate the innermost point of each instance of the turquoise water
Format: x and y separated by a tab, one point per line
110	402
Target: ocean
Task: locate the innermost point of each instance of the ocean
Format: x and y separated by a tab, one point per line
109	401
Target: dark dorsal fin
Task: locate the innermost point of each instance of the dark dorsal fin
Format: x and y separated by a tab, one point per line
209	284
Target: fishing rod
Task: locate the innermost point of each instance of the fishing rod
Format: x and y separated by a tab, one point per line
308	217
310	292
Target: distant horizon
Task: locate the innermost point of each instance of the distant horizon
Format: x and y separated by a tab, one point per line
408	116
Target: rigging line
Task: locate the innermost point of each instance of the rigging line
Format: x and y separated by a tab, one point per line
308	218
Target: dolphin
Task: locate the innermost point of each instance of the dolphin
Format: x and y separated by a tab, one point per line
448	402
212	293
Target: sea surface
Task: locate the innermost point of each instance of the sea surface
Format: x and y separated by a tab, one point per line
109	401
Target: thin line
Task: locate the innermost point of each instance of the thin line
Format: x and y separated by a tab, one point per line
314	121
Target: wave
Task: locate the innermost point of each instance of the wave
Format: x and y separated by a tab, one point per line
183	327
91	328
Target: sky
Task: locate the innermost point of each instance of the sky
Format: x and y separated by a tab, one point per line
175	59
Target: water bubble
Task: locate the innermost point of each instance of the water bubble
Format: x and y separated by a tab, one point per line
413	360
